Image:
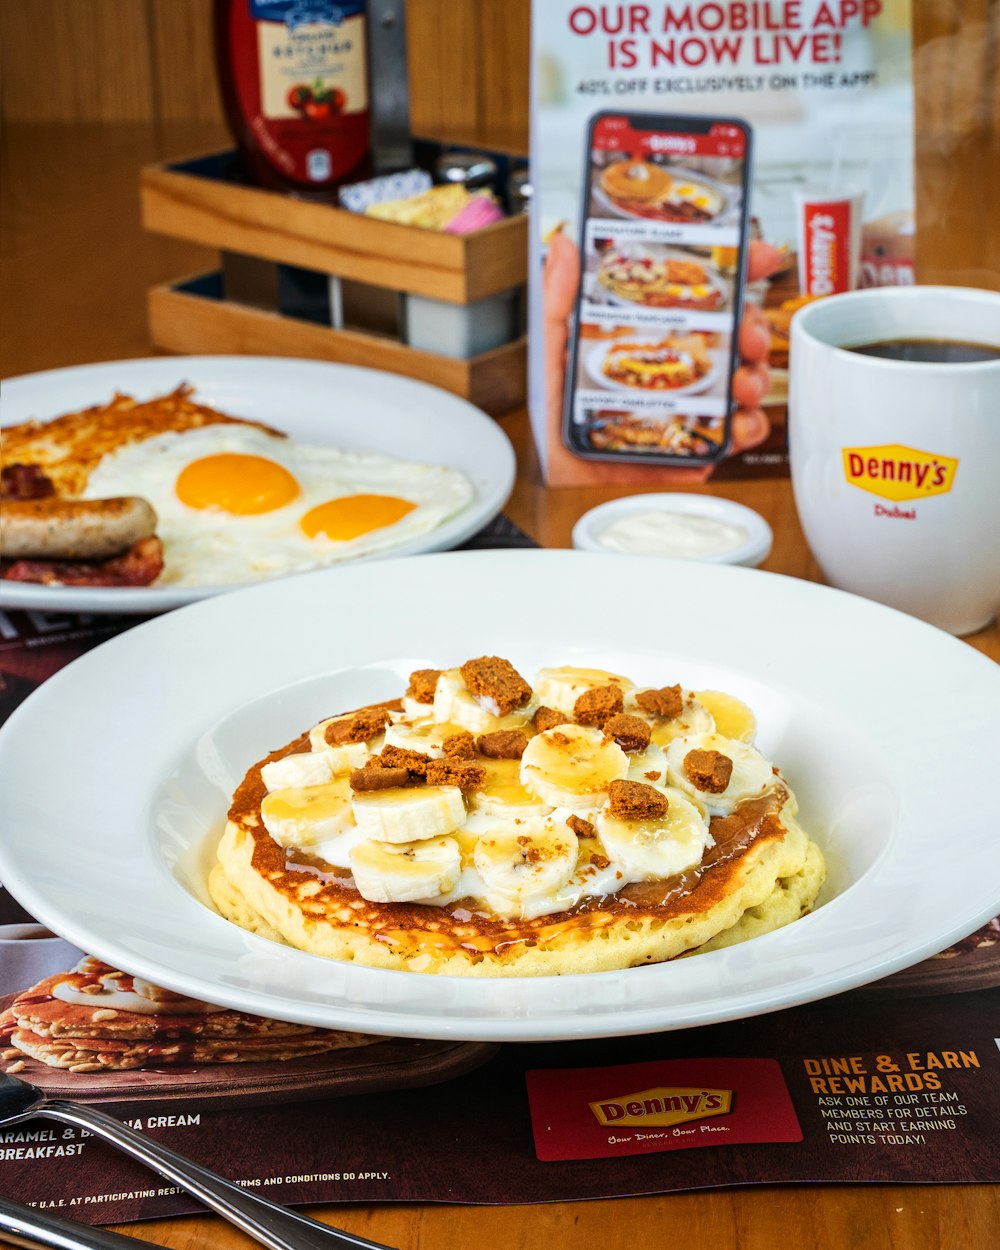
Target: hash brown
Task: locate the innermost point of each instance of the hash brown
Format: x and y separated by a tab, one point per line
68	448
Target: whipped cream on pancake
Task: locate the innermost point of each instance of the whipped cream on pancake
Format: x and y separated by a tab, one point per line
92	983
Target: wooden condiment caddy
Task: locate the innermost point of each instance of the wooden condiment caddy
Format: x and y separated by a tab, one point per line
195	200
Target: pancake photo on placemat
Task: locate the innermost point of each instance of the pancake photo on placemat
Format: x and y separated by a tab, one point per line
98	1034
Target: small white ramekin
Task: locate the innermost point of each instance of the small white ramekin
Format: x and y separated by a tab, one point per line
588	530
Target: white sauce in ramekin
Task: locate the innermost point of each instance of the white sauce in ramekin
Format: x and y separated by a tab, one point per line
680	534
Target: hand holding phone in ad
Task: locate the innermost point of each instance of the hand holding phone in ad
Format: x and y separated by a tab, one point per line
663	232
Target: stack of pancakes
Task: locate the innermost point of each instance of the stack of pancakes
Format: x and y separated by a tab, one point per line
68	1021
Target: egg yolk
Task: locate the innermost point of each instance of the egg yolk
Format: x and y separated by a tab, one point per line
239	484
354	515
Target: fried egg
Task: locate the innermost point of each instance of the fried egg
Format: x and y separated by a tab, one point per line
700	196
236	504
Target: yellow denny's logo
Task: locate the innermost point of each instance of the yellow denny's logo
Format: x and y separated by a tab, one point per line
663	1106
897	472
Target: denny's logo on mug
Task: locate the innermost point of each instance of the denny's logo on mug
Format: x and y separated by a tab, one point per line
899	473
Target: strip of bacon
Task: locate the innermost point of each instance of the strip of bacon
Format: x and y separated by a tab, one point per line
24	481
139	566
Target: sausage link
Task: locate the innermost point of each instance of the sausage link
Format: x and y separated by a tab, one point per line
73	529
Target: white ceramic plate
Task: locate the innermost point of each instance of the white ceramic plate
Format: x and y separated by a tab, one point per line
594	363
116	776
313	401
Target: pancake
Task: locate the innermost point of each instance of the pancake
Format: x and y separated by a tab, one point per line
639	926
44	1013
737	861
637	180
791	899
95	1018
115	1055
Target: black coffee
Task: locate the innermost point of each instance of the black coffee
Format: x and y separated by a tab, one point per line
929	351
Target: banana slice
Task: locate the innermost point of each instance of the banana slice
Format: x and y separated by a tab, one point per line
733	719
453	702
694	719
504	794
751	777
559	688
524	865
572	766
413	710
307	768
654	849
427	736
649	766
303	816
402	872
410	813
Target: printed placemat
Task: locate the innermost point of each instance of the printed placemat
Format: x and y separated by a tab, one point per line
895	1082
853	1089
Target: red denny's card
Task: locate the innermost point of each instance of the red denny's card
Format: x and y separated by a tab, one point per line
639	1108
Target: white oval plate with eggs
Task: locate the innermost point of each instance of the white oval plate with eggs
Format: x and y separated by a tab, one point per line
118	773
313	402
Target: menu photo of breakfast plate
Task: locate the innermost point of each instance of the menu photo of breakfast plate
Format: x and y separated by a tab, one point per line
662	187
639	363
655	275
679	433
137	486
572	798
644	386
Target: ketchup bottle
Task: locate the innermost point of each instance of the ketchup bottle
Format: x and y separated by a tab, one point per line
294	81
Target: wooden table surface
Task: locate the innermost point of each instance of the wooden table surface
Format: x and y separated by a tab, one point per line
76	267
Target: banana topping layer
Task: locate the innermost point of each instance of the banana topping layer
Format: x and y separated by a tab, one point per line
522	798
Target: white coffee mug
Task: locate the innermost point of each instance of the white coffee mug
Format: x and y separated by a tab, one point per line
896	464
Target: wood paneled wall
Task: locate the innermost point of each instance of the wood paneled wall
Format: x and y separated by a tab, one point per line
140	60
956	65
106	60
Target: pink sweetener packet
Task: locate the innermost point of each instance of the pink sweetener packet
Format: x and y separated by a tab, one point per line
479	212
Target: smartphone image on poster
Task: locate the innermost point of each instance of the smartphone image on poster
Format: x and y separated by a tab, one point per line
663	244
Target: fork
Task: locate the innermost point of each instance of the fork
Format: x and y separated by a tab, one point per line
271	1225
